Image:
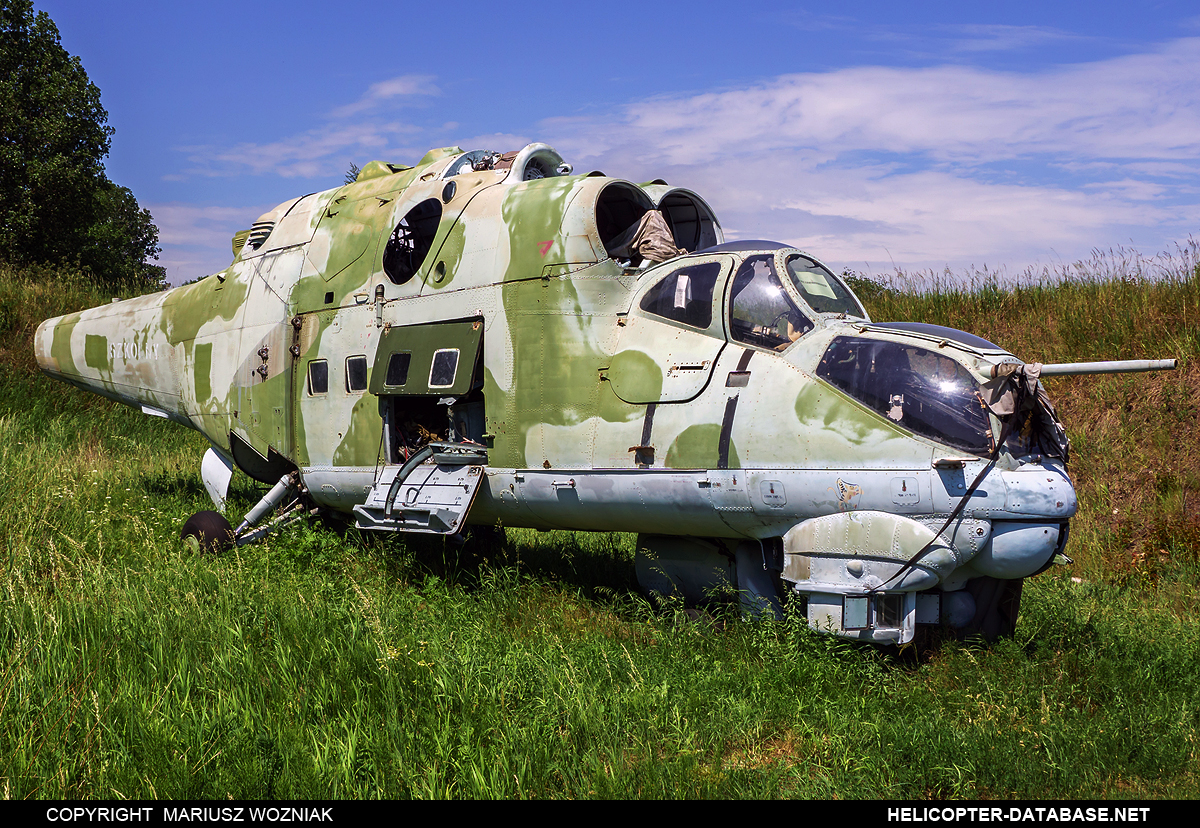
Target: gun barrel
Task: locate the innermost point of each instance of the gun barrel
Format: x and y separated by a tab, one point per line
1115	367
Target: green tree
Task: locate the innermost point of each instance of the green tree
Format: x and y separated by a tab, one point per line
57	204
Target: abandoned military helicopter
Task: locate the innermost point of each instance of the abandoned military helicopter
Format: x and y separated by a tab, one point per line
488	338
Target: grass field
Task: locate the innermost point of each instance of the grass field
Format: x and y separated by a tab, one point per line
324	663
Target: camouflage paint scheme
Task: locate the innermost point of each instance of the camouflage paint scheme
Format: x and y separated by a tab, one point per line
659	428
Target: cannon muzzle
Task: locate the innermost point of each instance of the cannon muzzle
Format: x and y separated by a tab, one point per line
1061	369
1126	366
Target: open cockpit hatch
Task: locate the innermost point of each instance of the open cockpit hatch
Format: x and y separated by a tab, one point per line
693	224
654	222
620	207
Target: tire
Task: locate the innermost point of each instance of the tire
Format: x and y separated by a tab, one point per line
208	532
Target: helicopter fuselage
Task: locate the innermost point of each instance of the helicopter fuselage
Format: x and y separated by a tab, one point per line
734	405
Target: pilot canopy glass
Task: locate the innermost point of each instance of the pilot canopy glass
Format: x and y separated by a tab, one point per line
820	289
685	296
921	390
762	313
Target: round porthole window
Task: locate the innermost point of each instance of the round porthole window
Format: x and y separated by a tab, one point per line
410	242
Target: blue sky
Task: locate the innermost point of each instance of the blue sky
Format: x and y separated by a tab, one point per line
879	135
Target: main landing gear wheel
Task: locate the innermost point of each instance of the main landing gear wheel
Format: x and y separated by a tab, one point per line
207	532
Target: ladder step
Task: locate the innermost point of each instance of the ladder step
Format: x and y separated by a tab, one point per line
432	497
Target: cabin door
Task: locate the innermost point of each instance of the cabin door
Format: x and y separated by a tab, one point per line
429	381
337	422
264	382
673	335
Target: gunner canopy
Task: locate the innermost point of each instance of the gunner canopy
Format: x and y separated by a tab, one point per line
921	390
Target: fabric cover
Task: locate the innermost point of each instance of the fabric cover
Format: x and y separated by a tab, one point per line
651	239
1017	389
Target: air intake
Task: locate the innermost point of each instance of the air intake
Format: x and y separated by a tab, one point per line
259	232
239	240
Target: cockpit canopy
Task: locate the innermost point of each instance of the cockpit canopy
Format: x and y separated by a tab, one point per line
926	392
534	161
775	297
820	289
762	312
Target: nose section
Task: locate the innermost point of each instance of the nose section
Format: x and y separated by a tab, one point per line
1039	501
1019	549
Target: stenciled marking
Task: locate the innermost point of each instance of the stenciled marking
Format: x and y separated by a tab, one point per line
132	350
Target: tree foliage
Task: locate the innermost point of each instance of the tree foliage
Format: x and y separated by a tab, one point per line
57	204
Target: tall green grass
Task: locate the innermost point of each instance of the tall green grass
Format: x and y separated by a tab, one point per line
325	663
1135	437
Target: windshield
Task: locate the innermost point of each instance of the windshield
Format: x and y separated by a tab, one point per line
820	289
921	390
761	313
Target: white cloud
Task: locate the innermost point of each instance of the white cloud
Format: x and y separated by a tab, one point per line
197	240
198	225
1139	106
998	37
498	141
914	220
378	94
353	130
924	167
949	165
319	152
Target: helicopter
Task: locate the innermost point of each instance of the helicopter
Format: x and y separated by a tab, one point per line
488	339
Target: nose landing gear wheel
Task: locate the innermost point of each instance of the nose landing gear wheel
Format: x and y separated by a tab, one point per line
207	532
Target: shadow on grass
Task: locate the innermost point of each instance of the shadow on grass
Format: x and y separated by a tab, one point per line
598	566
173	484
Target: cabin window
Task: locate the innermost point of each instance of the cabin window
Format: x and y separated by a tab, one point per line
761	312
473	161
685	296
397	369
356	374
411	241
921	390
863	612
889	610
823	292
318	377
445	366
